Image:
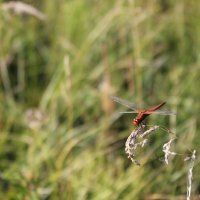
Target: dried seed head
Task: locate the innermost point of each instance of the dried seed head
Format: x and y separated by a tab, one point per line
137	138
35	118
166	150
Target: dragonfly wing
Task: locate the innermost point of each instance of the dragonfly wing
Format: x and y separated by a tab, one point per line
126	112
124	102
161	112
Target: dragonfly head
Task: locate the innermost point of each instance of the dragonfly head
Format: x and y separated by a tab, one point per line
136	122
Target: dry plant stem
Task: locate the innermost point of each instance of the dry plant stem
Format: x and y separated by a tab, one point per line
189	181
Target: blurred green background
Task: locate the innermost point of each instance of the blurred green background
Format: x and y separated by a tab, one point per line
61	136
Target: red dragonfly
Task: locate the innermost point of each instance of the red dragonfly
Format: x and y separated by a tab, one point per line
142	114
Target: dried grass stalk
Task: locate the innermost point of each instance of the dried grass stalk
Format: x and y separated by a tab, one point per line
20	8
189	180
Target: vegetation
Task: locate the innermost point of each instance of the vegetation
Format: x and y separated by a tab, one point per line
61	135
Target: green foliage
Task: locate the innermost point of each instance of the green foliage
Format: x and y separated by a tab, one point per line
67	65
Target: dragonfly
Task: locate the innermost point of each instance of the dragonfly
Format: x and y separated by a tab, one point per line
143	113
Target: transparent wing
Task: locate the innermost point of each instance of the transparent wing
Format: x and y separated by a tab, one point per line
161	112
154	112
125	103
130	105
127	112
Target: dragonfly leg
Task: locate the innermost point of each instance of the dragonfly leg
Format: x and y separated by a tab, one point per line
143	124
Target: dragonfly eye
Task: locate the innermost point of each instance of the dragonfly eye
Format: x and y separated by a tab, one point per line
135	122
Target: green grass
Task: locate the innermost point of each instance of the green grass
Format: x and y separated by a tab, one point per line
68	66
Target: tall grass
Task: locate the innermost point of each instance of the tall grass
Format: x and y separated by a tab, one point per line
67	67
